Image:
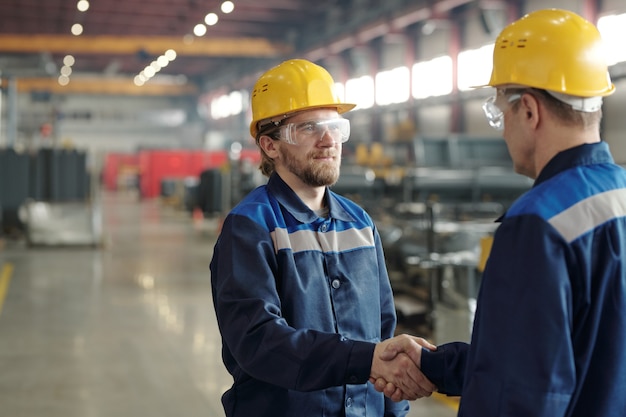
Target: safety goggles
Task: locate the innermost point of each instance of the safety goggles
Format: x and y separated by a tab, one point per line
313	131
493	112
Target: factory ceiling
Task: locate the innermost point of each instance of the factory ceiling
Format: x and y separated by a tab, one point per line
120	38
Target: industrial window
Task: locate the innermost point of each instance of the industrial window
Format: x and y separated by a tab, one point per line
474	67
613	30
360	91
392	86
432	78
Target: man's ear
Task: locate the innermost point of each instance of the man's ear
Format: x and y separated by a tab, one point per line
529	104
269	146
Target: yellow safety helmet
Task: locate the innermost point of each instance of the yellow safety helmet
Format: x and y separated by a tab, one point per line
292	86
554	50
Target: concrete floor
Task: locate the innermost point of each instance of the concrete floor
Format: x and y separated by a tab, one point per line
125	330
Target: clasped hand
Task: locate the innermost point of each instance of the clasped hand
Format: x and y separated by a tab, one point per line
396	368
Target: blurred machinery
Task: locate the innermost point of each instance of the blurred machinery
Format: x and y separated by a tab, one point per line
49	197
62	223
434	253
435	202
456	169
359	184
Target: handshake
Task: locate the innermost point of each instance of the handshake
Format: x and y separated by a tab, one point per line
396	368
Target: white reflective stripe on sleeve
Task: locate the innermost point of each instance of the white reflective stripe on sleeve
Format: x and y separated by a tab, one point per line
587	214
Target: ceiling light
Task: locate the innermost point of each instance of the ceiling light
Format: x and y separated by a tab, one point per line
63	80
155	66
199	30
65	70
170	54
162	61
77	29
227	7
211	19
68	60
82	6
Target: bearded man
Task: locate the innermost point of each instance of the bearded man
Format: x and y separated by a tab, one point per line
300	288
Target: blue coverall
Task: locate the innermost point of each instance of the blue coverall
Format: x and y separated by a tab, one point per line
549	337
301	302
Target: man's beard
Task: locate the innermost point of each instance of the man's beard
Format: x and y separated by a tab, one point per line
311	172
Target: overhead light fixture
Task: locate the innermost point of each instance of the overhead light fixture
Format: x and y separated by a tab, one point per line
82	5
68	60
227	7
162	61
155	66
77	29
170	54
211	19
199	30
66	70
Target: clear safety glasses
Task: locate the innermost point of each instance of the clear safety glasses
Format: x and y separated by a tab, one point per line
313	131
494	114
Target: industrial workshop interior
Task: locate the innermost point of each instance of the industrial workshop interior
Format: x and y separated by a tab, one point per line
124	142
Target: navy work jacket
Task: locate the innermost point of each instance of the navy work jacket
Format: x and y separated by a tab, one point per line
549	336
301	302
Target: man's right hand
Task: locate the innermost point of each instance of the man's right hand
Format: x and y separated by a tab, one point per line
395	368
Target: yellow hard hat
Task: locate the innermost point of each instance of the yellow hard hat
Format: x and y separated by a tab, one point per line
293	86
554	50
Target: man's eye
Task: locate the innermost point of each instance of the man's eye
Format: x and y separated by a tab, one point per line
307	127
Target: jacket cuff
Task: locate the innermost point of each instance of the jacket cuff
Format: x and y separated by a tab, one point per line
433	365
445	367
360	363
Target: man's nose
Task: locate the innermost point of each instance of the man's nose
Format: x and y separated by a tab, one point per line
326	137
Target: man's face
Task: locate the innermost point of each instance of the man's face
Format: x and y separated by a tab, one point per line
315	161
518	133
503	114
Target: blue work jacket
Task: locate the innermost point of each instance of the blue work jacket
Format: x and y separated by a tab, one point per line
301	302
549	337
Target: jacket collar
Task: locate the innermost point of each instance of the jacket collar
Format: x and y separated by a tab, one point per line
586	154
294	205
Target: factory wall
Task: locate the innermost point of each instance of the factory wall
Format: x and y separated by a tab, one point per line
438	116
103	124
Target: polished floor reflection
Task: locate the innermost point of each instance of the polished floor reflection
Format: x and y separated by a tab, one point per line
124	330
